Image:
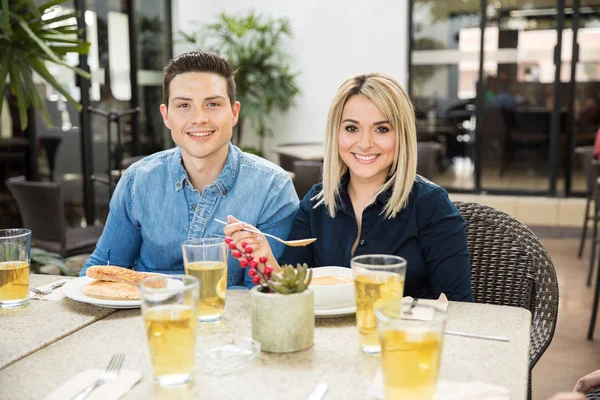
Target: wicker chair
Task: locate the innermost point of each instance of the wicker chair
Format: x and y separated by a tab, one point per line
595	395
306	174
42	210
510	267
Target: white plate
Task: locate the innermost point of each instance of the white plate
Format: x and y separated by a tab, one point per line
72	290
335	312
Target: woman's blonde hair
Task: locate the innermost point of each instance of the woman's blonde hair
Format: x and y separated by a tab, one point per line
387	94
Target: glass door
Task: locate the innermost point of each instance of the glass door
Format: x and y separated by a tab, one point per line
581	77
518	135
444	69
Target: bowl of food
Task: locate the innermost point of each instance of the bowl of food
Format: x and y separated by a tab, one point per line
333	287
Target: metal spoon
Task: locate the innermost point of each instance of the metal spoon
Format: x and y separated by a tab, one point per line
291	243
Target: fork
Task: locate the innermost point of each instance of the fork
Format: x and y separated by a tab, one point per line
44	292
292	243
110	374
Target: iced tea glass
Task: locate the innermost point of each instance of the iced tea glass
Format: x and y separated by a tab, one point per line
15	246
376	276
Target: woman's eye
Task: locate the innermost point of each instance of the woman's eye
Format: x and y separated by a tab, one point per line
382	129
351	128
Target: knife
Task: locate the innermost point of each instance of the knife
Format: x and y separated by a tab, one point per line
319	392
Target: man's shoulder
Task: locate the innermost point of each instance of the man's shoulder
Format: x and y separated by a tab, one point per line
260	166
154	162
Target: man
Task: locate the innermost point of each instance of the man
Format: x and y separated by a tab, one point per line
176	194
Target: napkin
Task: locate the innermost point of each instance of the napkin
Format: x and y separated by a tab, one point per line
56	295
451	390
109	391
422	312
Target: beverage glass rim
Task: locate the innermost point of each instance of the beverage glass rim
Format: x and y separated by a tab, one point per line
356	261
189	282
439	316
14	233
203	242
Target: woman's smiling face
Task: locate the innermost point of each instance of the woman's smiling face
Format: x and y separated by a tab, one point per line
366	140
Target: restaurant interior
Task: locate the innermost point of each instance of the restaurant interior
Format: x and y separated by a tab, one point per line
506	95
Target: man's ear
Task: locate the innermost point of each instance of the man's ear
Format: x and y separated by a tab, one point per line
235	110
164	111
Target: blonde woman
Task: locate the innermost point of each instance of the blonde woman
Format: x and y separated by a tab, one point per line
371	200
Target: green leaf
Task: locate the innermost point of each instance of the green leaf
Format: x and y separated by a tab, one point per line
17	89
3	73
33	9
50	4
6	18
59	18
42	71
36	39
77	70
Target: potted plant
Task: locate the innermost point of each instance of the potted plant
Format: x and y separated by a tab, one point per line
31	35
281	303
264	80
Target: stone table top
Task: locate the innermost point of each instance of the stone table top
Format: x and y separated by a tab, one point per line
335	357
29	328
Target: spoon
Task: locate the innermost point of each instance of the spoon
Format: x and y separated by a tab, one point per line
291	243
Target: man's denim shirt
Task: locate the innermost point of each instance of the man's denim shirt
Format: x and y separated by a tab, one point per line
155	208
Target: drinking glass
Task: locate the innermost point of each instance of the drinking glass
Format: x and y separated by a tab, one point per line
14	267
375	276
206	259
169	305
411	345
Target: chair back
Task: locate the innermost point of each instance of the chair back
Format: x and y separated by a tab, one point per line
427	154
509	266
306	174
41	208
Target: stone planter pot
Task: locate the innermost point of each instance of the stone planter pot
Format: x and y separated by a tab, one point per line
282	323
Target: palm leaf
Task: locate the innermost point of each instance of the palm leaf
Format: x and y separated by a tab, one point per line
3	73
50	4
17	90
6	17
43	46
42	71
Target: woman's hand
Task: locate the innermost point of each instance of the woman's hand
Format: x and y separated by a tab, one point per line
588	383
258	243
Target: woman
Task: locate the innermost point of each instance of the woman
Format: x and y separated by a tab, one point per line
372	202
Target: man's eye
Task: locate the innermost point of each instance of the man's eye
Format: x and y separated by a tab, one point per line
213	104
183	105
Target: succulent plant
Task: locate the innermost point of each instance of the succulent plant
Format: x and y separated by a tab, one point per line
290	280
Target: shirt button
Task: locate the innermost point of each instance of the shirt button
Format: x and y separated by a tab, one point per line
194	207
179	186
362	242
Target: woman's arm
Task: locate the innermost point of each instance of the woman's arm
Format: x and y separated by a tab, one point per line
443	244
301	230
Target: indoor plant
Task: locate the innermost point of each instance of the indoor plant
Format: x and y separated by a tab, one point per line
281	303
31	35
264	80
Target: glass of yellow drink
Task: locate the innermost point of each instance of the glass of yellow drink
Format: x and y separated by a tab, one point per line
411	345
376	276
15	247
206	259
169	305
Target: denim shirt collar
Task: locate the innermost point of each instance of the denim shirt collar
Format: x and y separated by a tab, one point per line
224	181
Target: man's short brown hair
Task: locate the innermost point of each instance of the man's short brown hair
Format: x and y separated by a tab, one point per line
197	61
